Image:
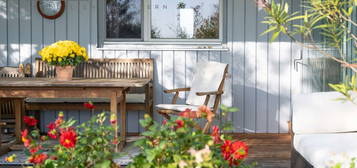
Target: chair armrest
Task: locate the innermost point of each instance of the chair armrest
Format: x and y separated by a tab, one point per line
209	93
177	90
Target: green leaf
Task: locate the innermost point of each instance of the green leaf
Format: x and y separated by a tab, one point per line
272	28
274	36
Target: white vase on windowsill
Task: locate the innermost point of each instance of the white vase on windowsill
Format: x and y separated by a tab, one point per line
187	20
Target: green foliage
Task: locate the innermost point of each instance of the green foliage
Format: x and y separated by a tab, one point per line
346	88
171	146
94	147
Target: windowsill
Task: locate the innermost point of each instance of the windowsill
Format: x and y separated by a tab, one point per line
164	46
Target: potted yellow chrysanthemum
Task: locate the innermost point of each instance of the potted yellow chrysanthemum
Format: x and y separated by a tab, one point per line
65	55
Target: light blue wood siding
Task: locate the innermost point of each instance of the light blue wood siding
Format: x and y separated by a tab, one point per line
262	80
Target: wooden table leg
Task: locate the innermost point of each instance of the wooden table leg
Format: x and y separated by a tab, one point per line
113	115
123	120
19	112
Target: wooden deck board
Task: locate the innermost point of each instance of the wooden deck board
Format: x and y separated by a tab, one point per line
268	150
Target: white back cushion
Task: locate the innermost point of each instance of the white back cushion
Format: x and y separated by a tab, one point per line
322	113
207	77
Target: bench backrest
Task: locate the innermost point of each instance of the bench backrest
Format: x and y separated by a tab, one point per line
104	69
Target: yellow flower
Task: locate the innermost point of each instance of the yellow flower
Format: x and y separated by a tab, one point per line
11	158
60	50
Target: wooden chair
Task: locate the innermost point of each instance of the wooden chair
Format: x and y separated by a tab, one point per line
7	105
206	89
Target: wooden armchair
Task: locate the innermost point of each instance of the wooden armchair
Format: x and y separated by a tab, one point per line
207	89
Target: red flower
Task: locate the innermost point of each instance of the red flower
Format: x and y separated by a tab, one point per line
68	138
38	159
207	112
24	133
24	138
215	134
35	149
188	113
89	105
239	150
52	133
164	122
234	152
226	149
115	141
180	124
30	121
58	122
51	126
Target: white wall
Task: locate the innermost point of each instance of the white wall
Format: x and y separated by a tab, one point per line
263	78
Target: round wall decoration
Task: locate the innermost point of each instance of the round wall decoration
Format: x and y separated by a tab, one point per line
50	9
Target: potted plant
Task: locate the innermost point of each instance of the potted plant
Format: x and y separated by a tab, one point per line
65	55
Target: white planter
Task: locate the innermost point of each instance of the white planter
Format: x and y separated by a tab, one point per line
187	20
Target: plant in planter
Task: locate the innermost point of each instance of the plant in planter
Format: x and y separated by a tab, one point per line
90	144
64	55
179	142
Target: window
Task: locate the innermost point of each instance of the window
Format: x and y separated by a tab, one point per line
162	20
123	19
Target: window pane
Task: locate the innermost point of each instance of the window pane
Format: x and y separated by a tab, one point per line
185	19
123	18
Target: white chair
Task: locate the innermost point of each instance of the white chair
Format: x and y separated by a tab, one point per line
207	89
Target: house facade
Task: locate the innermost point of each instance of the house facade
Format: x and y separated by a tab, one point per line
264	76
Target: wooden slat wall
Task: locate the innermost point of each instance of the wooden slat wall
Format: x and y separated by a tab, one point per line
263	76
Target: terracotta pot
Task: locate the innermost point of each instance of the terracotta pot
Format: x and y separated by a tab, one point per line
64	73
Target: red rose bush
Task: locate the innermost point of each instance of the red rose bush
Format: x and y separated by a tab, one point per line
90	144
181	142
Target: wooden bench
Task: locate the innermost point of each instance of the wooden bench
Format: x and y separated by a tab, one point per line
139	99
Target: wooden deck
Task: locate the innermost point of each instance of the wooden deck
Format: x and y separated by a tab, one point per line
268	150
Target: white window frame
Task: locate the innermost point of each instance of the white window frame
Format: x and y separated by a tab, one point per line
146	29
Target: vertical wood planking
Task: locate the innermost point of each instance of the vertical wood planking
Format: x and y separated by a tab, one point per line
36	30
190	63
3	32
72	20
93	28
158	88
25	32
84	26
61	26
273	88
143	54
262	75
250	67
226	57
284	81
13	47
133	116
167	74
238	61
202	56
180	73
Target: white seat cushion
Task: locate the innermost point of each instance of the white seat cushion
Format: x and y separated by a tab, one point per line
322	113
320	149
207	78
177	107
130	98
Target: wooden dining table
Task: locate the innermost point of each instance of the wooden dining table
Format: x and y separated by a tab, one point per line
20	88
